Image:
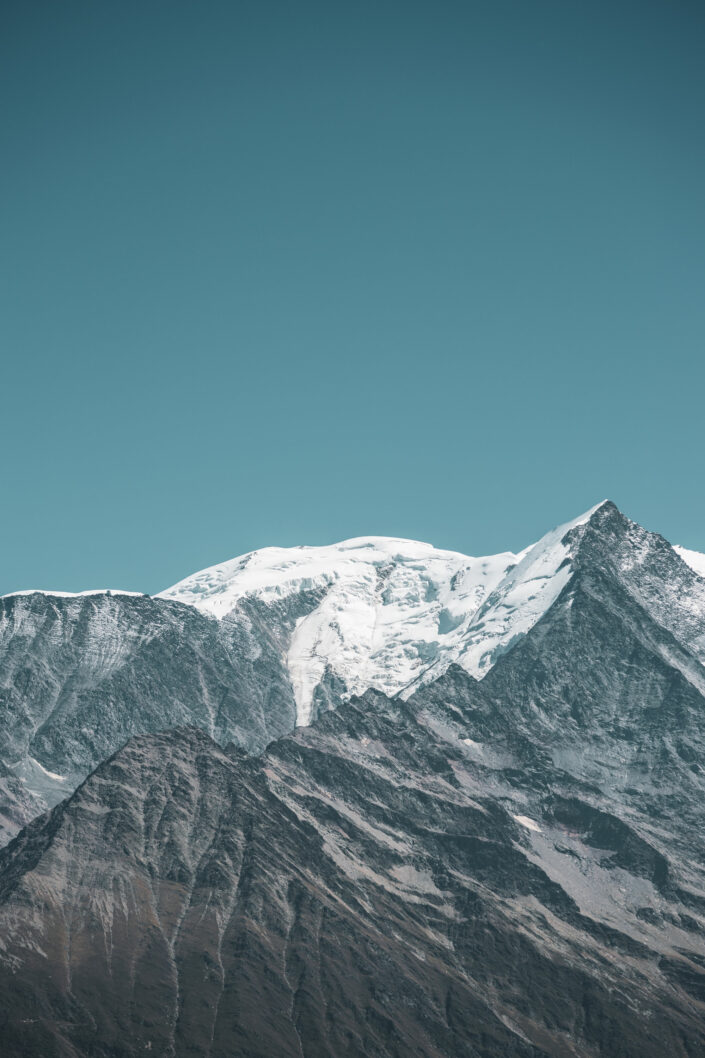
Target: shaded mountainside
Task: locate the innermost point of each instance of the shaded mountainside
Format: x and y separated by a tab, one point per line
373	885
79	675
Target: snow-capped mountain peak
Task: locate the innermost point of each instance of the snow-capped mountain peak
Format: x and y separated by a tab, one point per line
526	591
393	614
386	606
390	613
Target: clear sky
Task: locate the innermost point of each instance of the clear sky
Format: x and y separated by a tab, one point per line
278	273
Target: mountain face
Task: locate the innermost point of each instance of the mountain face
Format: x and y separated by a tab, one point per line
244	651
250	649
436	865
388	608
394	614
79	675
377	884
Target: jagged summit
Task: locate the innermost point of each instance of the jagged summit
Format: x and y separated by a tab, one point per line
389	612
251	648
278	571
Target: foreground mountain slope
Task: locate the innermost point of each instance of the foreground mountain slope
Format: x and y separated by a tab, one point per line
369	886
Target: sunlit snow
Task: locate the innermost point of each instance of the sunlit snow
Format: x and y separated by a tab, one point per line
389	607
530	824
393	613
694	559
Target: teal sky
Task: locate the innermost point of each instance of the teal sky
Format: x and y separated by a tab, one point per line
278	273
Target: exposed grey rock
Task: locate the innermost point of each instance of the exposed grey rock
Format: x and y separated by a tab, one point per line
369	886
80	675
17	804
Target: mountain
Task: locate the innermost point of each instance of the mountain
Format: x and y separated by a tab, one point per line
251	648
392	613
80	674
436	865
376	884
387	609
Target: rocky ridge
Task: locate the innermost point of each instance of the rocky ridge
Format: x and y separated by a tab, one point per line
271	640
506	866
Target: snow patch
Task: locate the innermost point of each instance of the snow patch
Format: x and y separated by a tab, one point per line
530	824
45	771
694	559
522	597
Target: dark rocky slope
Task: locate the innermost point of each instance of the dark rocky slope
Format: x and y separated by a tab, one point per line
370	886
79	675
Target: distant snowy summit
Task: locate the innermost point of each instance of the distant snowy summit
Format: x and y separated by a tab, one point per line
391	614
251	648
374	611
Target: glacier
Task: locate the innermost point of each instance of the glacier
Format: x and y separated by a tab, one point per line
393	613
